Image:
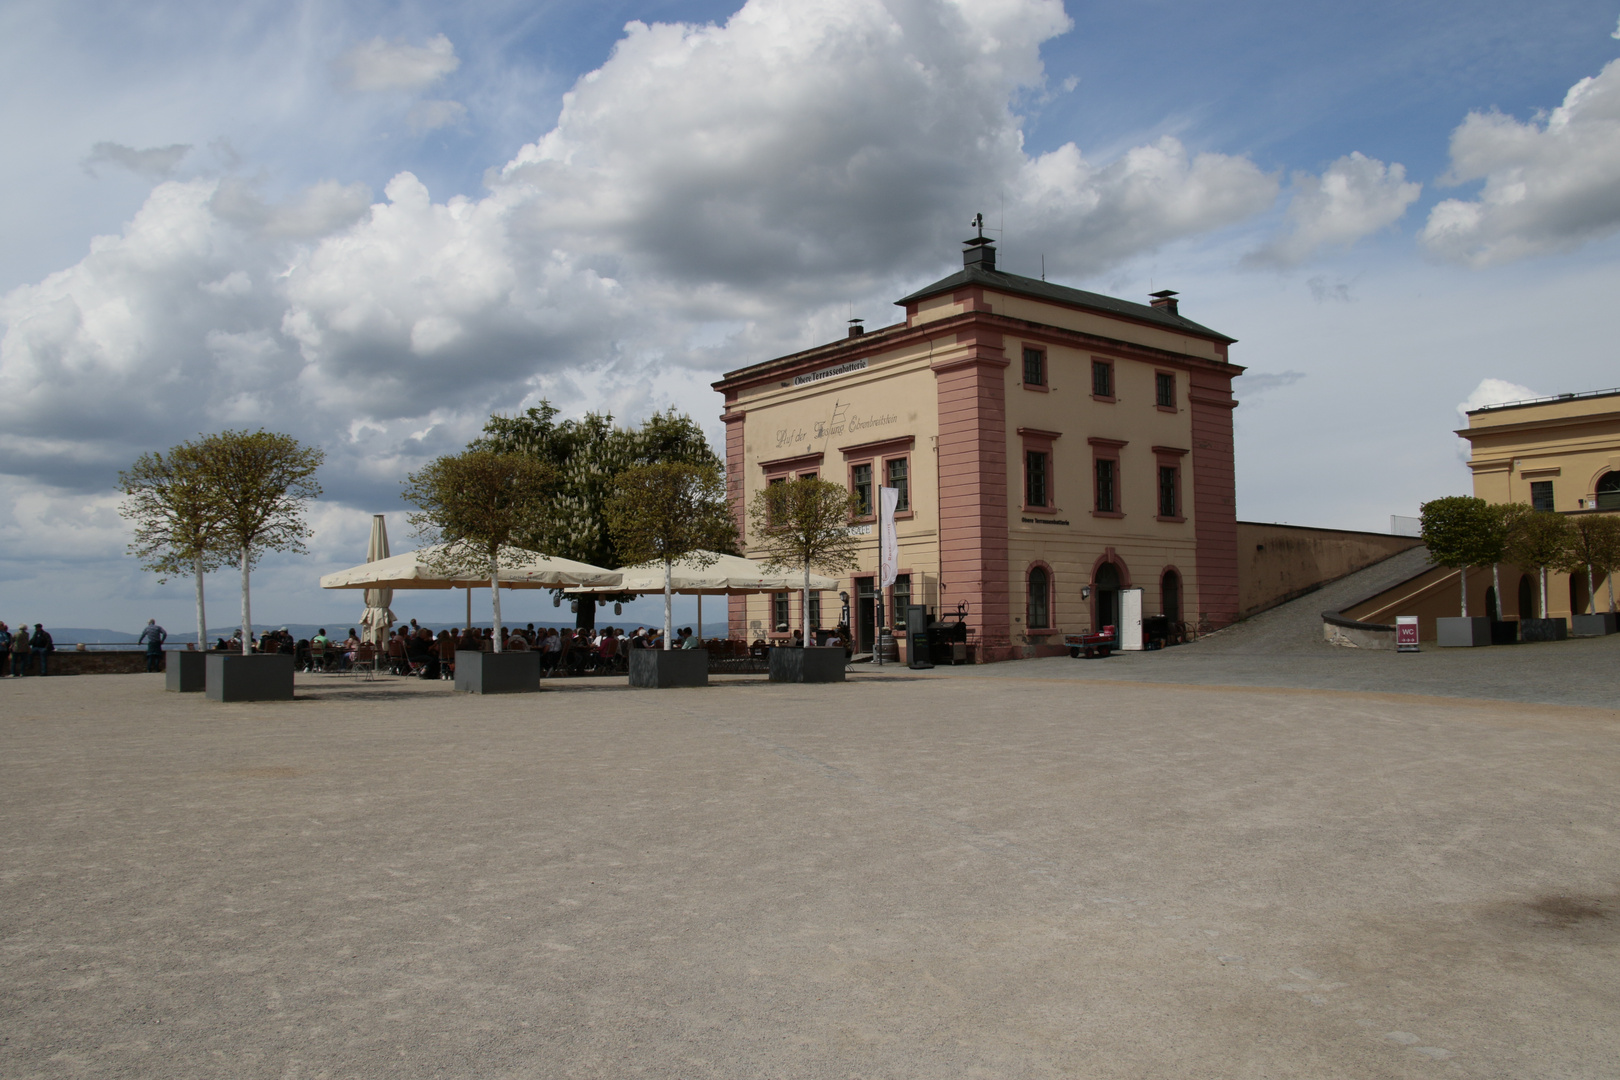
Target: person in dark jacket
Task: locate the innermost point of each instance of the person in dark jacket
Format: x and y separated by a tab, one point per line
41	645
5	649
153	637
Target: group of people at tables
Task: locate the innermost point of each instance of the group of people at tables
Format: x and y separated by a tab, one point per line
411	649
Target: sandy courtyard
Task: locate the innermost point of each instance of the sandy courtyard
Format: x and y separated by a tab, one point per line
930	876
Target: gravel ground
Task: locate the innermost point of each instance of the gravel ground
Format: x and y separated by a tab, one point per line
902	876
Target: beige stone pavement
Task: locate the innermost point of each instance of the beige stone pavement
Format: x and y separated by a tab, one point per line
927	876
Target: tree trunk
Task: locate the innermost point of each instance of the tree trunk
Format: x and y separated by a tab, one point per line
1544	592
669	609
806	600
1591	591
247	608
202	619
1462	578
585	613
1611	590
495	596
1496	585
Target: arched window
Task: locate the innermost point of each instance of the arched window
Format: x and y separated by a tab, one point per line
1038	610
1608	491
1170	595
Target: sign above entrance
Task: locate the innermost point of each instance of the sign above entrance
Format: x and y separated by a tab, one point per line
827	373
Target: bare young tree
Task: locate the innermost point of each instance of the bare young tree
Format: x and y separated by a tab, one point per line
668	513
805	523
257	483
177	526
476	505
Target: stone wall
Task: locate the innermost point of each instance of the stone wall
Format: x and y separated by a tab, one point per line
71	662
1277	563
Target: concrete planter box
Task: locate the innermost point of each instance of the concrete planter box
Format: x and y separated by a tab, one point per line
1592	625
1462	633
658	669
497	673
1543	630
1505	632
807	665
255	677
185	672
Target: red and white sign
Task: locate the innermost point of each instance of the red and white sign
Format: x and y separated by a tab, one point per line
1406	633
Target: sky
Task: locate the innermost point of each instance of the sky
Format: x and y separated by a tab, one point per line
371	225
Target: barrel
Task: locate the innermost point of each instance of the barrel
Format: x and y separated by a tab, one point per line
888	649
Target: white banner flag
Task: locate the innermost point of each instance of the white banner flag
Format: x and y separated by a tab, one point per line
888	546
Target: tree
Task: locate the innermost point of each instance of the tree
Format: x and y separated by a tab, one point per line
805	523
1505	518
177	526
1459	531
1539	540
670	512
257	483
1594	542
476	505
589	454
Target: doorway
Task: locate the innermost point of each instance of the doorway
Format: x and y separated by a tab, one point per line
865	614
1105	591
1527	597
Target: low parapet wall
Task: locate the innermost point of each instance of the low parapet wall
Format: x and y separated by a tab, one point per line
1350	634
1278	563
73	662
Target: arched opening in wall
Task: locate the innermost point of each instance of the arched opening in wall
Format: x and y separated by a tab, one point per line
1577	593
1608	491
1105	595
1527	597
1038	599
1492	610
1170	595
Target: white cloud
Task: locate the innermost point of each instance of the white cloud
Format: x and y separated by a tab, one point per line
759	175
1493	392
153	163
1354	197
1615	33
432	115
1551	183
318	210
380	64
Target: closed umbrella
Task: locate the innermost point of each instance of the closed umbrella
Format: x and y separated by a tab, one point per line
377	619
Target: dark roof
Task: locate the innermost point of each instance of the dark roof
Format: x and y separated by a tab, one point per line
1062	294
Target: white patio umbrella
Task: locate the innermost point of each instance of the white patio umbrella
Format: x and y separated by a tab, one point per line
531	570
377	619
727	575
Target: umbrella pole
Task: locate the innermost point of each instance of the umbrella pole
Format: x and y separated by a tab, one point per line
700	618
468	625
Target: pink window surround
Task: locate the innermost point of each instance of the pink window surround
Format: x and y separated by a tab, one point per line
1107	450
1175	392
1113	379
1169	457
1042	387
1038	441
783	466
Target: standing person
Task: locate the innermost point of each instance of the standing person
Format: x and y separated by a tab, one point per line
19	650
5	649
41	645
154	636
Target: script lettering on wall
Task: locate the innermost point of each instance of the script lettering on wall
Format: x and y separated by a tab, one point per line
841	420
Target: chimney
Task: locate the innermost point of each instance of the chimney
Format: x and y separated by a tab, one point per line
855	327
980	254
1165	300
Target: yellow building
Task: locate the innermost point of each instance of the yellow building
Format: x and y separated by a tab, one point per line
1559	453
1051	446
